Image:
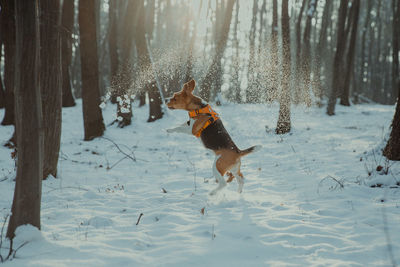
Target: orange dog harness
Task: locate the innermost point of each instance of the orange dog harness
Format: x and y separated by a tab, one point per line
207	110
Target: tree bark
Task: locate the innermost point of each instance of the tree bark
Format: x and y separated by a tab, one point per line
306	53
27	195
67	26
273	91
298	92
395	47
251	94
92	117
50	83
337	65
2	100
284	125
8	10
219	53
344	99
145	66
392	149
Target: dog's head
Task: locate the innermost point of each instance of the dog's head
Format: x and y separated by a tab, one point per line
184	99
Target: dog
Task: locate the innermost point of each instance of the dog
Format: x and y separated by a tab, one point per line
205	124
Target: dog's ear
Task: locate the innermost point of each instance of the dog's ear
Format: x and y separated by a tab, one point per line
189	86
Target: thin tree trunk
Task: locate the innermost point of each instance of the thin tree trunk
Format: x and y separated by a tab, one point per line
273	91
2	100
219	53
28	187
318	88
284	125
344	99
92	117
125	72
50	83
337	65
298	94
306	52
113	45
8	10
67	26
363	77
251	94
155	112
395	47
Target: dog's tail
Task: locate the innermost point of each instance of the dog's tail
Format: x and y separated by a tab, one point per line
249	150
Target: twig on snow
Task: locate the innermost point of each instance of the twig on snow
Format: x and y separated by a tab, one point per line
138	220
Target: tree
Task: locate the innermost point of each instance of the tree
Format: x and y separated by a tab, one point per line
298	88
392	149
251	94
273	92
26	203
145	66
395	46
214	70
344	98
306	52
67	25
50	83
92	117
337	65
2	100
8	30
284	125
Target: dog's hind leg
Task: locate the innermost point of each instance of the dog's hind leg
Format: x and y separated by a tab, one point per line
218	176
239	176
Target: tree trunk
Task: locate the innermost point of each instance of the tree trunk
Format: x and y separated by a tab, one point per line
392	149
50	83
92	117
273	91
251	94
317	85
27	195
146	67
284	125
344	99
337	65
8	10
306	53
113	42
2	97
125	71
219	53
363	77
298	92
67	26
395	48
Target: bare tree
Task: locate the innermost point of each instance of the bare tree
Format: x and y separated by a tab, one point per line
284	125
395	46
344	98
145	66
8	30
392	149
67	24
214	70
92	117
28	186
50	83
338	61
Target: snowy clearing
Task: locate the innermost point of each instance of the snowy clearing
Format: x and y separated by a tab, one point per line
307	198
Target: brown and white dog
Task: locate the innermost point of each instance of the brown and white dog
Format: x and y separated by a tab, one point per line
205	124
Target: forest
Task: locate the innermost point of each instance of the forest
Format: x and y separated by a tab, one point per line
91	172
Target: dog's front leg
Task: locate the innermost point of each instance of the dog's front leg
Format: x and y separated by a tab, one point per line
184	128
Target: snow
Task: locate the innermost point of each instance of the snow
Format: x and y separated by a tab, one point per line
307	198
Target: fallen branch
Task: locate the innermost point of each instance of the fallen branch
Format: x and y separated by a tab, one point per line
138	220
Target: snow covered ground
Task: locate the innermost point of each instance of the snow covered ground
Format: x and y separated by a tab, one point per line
307	199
